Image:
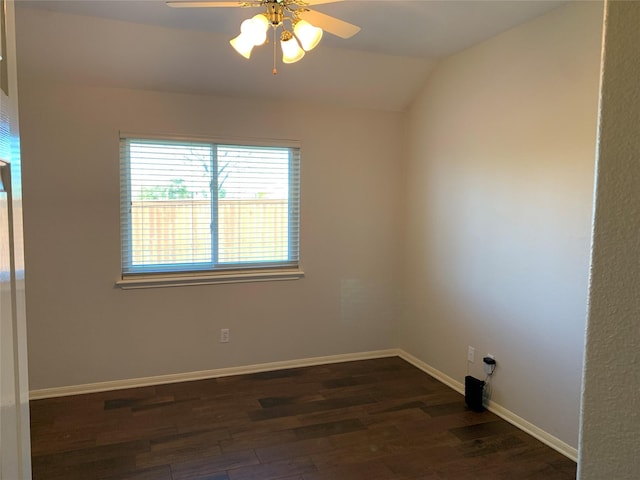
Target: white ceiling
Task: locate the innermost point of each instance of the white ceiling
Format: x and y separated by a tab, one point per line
398	45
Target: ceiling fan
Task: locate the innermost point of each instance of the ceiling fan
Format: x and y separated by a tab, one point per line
306	25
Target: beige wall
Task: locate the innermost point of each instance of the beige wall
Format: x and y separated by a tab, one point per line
82	329
610	423
485	200
500	179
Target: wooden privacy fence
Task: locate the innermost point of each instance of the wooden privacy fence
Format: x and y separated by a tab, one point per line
178	231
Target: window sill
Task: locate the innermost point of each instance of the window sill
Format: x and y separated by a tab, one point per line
176	280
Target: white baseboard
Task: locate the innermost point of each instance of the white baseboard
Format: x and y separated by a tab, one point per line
204	374
536	432
437	374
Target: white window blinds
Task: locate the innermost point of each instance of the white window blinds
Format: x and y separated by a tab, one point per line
199	206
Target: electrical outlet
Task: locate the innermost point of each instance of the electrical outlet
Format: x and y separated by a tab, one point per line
471	354
224	335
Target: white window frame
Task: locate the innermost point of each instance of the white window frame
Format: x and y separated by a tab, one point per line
235	273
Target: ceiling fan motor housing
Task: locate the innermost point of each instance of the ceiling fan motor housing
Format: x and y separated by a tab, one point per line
275	13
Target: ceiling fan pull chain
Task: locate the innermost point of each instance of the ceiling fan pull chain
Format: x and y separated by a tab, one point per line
275	70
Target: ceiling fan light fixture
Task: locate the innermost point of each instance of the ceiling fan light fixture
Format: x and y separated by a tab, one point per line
243	45
300	38
291	50
255	30
308	35
261	21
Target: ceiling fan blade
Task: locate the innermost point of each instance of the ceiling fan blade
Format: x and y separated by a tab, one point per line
330	24
209	4
237	3
320	2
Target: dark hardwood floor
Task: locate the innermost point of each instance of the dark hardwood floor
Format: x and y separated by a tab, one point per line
366	420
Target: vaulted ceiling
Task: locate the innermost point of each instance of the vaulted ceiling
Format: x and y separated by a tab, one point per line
145	44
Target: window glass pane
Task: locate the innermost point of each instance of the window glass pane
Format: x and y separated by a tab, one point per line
253	207
170	203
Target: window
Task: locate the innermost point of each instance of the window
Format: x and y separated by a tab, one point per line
208	211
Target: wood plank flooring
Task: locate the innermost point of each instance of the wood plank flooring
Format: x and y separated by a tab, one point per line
367	420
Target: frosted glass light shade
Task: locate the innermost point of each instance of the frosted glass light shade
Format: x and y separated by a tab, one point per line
255	28
243	44
258	38
261	22
291	51
308	35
